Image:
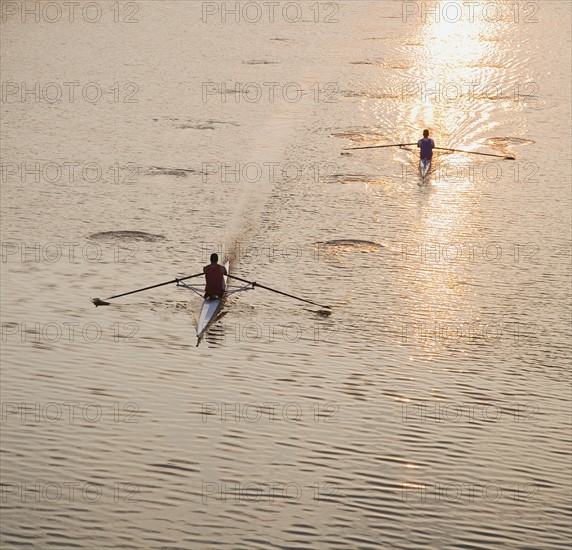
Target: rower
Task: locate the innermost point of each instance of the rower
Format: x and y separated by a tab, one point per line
214	275
426	145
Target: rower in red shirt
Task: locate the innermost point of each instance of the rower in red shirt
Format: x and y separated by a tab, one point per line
214	275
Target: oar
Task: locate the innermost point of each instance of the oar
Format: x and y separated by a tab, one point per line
379	146
99	302
255	284
474	153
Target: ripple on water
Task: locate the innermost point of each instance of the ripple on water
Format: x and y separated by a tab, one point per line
127	235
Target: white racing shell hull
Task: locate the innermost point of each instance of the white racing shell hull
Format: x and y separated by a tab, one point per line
424	167
210	310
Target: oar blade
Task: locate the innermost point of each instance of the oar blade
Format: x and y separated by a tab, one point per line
98	302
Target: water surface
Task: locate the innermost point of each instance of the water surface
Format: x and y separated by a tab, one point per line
431	409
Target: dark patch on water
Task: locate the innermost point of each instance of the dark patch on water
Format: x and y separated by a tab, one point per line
178	172
259	62
384	64
350	178
487	66
177	468
196	127
506	141
194	124
204	125
127	235
362	137
370	95
357	245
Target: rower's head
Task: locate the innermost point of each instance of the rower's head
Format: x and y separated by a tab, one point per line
214	258
425	133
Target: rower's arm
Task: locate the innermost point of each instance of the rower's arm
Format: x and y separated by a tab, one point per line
224	271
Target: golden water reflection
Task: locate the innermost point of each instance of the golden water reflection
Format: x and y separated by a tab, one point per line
448	66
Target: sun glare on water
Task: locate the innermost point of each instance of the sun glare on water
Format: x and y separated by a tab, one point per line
447	66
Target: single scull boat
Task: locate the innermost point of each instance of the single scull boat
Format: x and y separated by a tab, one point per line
212	307
425	164
210	310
